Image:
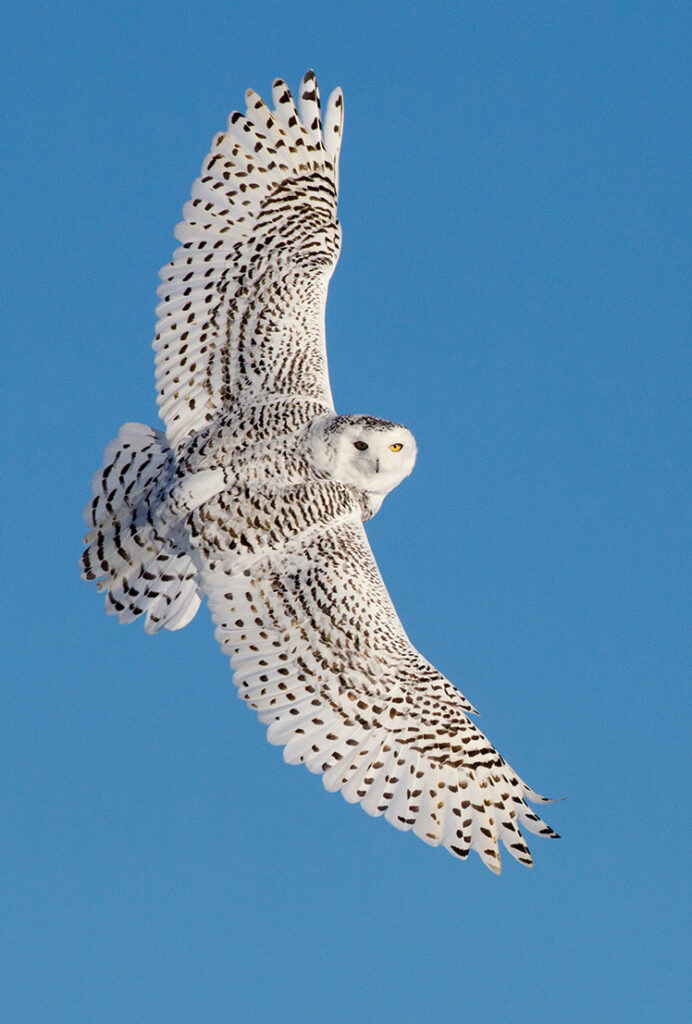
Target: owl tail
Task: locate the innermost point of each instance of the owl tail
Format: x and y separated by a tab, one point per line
140	561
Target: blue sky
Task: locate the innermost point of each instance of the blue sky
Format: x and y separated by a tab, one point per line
514	286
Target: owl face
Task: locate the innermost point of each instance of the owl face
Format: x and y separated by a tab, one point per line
371	454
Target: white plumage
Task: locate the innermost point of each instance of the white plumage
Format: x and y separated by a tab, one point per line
256	495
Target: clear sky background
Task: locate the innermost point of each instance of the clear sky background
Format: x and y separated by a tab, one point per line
514	286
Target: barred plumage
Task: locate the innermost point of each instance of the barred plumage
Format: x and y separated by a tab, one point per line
257	493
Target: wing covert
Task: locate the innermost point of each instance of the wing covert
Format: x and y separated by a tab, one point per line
241	311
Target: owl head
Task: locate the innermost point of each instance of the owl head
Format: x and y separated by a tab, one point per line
371	454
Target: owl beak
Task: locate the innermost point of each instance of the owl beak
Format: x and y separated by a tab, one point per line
377	465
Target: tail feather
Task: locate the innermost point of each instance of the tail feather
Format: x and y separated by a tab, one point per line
133	463
141	564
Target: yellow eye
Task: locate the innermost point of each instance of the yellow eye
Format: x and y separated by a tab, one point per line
395	447
360	445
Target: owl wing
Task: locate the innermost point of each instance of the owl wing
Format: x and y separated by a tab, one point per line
241	316
320	654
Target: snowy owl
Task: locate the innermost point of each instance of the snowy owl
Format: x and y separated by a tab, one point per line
256	494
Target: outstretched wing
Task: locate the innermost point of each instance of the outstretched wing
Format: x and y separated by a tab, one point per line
320	654
241	316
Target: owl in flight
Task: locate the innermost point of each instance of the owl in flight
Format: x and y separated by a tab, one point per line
257	492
